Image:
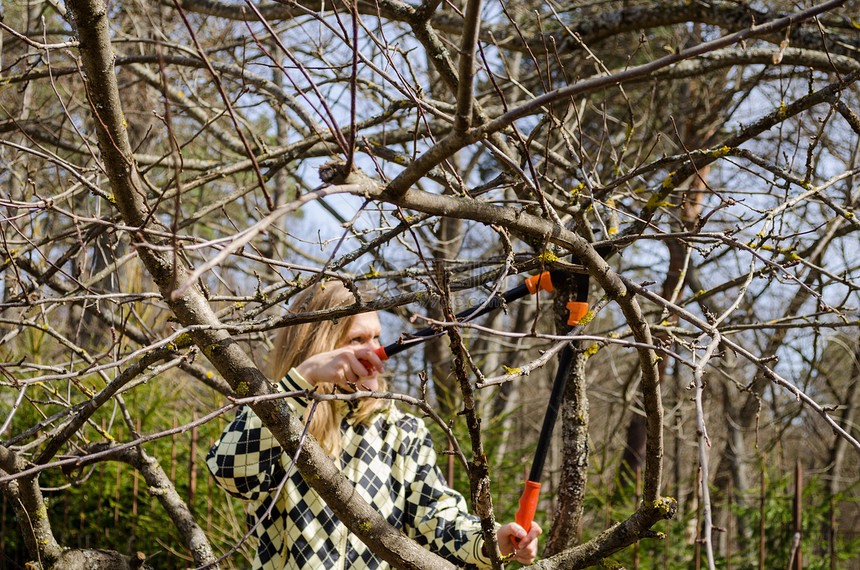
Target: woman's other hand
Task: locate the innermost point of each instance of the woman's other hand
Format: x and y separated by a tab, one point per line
525	549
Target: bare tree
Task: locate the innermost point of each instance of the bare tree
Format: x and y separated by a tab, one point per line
173	173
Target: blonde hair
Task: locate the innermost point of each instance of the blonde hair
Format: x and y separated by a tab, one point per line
295	344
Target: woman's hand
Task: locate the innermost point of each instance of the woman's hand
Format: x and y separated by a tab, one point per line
352	365
349	367
525	550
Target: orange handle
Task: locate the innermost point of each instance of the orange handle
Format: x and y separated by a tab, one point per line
542	281
577	311
380	352
528	506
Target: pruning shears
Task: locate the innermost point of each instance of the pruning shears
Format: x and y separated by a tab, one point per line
530	286
578	309
529	499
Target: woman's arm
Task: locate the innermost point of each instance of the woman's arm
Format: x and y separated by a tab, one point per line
246	459
437	516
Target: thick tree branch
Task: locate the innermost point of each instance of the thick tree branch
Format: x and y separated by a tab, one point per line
573	481
620	535
585	31
466	72
26	498
191	308
456	141
161	487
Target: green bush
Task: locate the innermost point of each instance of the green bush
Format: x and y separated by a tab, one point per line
107	505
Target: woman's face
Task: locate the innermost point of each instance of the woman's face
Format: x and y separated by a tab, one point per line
364	334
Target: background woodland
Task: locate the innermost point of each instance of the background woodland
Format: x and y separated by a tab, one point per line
173	173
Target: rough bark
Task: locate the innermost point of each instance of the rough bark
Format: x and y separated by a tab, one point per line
618	536
572	485
96	559
26	498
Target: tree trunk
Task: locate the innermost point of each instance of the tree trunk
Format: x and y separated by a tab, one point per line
567	517
633	458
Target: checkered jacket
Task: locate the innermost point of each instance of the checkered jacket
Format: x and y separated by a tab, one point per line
392	464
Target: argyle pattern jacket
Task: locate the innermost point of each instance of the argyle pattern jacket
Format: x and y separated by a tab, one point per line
392	464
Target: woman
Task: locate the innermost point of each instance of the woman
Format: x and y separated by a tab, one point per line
385	453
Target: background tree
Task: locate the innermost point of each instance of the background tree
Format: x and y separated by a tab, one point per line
174	173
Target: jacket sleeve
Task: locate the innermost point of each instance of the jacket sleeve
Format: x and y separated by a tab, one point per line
246	461
436	515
